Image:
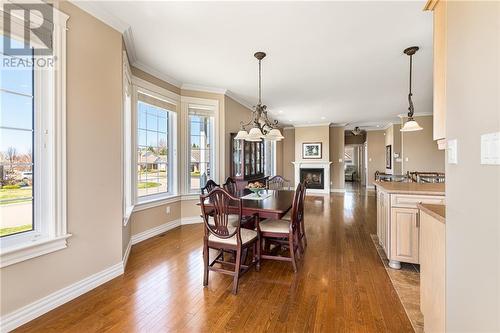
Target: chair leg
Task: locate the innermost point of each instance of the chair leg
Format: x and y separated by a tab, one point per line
237	271
257	254
291	245
205	262
304	233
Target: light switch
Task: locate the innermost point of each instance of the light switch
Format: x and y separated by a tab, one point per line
406	159
340	160
490	148
452	147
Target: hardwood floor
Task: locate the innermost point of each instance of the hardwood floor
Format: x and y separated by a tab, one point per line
341	286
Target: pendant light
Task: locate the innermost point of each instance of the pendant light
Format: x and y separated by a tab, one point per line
411	124
263	128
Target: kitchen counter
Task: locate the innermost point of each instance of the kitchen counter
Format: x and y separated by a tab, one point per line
411	188
436	211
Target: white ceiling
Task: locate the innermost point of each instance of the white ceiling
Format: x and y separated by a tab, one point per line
339	62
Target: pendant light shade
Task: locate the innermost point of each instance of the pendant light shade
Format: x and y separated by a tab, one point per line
411	125
255	133
242	135
274	135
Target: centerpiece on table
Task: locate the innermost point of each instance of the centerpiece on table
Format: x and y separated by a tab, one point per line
256	188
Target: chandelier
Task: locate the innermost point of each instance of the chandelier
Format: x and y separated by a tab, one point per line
411	125
262	126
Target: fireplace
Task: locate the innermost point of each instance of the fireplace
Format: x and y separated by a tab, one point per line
314	177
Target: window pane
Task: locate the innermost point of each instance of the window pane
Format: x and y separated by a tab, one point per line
200	151
152	153
16	147
17	111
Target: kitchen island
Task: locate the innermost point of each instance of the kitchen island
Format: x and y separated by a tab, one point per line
398	218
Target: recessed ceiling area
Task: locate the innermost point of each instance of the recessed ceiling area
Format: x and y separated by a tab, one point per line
338	62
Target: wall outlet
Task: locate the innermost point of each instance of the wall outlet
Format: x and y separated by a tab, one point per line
167	210
490	148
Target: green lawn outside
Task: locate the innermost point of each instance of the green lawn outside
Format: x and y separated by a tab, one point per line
143	185
23	194
14	230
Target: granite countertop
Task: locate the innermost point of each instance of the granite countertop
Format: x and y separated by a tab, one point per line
411	188
436	211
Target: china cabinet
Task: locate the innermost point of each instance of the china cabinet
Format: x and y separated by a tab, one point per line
247	161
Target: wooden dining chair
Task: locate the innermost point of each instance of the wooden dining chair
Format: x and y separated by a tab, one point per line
282	232
278	183
209	186
222	236
302	227
230	185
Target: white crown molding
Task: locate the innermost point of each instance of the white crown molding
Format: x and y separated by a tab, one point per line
128	39
33	310
338	124
103	15
288	128
312	125
195	87
156	73
235	98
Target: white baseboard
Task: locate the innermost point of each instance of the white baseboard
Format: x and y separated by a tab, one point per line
191	220
33	310
155	231
126	254
337	190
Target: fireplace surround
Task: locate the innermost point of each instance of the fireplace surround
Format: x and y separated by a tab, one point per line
309	166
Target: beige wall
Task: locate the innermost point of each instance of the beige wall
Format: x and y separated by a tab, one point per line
153	217
312	134
375	144
234	113
420	149
289	154
153	79
397	148
337	176
472	189
389	140
94	98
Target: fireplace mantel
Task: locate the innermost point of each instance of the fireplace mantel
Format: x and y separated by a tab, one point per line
314	164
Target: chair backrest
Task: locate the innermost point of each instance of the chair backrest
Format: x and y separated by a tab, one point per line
220	201
298	205
230	185
209	186
278	183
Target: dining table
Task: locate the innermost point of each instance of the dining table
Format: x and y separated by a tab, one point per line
272	204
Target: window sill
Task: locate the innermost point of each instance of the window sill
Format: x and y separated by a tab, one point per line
146	204
37	248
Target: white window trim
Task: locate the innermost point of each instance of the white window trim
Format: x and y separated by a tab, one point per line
201	104
140	85
127	147
53	234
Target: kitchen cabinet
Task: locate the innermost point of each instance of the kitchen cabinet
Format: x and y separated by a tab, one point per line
432	268
398	218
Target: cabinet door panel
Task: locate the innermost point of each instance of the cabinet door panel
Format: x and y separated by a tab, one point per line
405	235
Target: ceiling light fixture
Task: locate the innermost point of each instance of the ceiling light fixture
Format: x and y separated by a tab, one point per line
411	125
263	127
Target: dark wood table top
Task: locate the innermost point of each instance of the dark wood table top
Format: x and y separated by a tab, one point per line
274	206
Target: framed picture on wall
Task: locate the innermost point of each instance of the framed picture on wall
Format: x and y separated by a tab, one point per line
311	150
388	157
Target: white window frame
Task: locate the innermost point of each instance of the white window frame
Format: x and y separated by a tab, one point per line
127	148
50	227
142	86
208	111
212	106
